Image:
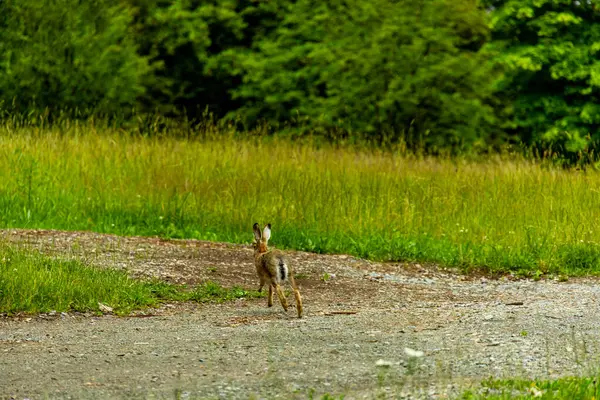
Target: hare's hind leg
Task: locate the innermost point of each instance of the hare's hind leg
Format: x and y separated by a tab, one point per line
297	296
270	301
281	296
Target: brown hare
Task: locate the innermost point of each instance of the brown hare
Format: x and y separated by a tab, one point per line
273	268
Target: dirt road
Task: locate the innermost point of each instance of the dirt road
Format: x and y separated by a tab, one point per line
358	316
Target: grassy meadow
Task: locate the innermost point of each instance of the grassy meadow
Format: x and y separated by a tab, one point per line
497	215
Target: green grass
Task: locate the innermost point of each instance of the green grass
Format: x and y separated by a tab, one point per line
498	215
572	388
33	283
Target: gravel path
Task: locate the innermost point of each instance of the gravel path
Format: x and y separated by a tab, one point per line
358	314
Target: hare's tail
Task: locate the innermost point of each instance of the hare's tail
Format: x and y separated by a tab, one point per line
283	272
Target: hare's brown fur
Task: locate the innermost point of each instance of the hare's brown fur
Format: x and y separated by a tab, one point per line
273	268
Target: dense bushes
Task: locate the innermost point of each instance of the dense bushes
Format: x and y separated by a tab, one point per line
379	68
550	51
70	54
441	74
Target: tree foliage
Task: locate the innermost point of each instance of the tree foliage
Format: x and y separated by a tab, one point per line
188	39
377	68
181	36
442	74
69	54
550	53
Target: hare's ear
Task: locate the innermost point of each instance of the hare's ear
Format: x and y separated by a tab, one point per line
267	233
256	230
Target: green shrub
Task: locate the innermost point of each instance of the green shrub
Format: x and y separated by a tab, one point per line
381	69
549	52
69	55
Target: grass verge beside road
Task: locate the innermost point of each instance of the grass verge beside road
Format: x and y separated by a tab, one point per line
33	283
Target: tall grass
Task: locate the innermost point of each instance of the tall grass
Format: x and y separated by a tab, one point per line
499	215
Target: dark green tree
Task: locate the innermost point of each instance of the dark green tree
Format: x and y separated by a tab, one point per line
187	40
376	68
550	52
69	54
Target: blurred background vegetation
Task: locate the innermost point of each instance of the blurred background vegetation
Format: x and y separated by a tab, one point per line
453	76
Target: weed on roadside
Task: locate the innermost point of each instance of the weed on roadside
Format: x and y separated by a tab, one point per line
560	389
